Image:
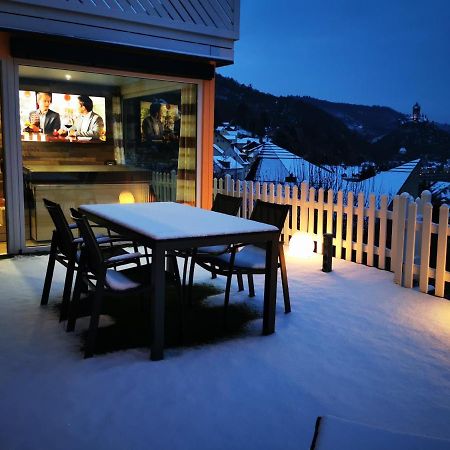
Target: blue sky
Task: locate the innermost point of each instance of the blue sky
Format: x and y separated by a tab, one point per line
390	53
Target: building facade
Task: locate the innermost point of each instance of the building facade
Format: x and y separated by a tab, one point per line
99	100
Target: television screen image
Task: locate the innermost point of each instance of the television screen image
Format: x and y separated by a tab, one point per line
165	119
56	117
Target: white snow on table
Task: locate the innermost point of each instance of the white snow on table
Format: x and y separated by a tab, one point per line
356	346
167	220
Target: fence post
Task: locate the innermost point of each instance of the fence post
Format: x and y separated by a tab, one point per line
339	223
294	209
441	251
383	233
320	209
250	198
425	247
215	181
228	184
360	228
398	237
330	210
244	199
371	230
425	197
408	270
304	207
349	228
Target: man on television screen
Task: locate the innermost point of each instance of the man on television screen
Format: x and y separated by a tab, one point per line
44	119
89	123
152	127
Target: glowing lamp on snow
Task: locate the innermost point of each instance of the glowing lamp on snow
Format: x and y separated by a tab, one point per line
301	245
126	197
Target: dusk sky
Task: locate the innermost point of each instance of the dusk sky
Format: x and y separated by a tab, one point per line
385	52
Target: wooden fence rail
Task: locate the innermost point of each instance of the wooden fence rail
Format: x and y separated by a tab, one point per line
400	237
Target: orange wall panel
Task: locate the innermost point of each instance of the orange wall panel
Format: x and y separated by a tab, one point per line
207	141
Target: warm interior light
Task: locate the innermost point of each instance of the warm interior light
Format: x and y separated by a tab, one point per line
68	77
126	197
301	245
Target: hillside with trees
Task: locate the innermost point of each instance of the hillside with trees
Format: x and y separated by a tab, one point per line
327	132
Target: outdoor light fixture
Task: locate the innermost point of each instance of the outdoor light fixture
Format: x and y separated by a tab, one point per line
301	245
68	77
327	262
126	197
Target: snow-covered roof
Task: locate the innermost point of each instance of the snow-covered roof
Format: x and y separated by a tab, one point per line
246	140
387	183
218	149
227	163
276	164
234	133
441	189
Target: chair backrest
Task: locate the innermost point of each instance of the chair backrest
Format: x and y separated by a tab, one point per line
92	254
64	233
270	213
226	204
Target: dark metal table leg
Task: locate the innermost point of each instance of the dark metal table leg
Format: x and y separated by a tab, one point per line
157	303
270	286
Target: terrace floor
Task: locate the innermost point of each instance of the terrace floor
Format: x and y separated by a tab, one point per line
355	346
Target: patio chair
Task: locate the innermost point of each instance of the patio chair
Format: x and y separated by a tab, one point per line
97	270
251	258
64	249
225	204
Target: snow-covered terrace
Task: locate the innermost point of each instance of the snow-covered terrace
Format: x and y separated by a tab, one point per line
355	346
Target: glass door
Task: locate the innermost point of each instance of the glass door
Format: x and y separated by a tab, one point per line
2	190
100	138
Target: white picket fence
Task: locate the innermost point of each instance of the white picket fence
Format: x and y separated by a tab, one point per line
164	186
400	237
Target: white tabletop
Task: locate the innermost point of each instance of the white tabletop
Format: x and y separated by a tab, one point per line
168	220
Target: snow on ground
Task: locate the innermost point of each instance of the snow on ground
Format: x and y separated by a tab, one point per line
355	346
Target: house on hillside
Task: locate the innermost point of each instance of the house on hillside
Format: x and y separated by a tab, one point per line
403	178
275	164
228	161
441	191
144	70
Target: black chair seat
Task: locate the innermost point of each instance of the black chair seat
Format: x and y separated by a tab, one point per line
251	259
225	204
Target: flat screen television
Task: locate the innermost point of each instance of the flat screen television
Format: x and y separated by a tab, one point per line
62	118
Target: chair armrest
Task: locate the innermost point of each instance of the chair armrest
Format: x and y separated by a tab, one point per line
123	259
113	239
102	239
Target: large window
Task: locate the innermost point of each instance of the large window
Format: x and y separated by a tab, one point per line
96	138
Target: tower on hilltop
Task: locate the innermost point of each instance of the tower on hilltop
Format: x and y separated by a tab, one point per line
416	113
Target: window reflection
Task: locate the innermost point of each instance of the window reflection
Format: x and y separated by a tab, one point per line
95	138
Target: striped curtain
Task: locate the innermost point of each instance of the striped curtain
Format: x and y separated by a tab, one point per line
186	175
119	154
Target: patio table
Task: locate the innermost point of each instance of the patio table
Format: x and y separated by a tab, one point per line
165	226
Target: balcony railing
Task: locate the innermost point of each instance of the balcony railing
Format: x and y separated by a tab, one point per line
403	239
